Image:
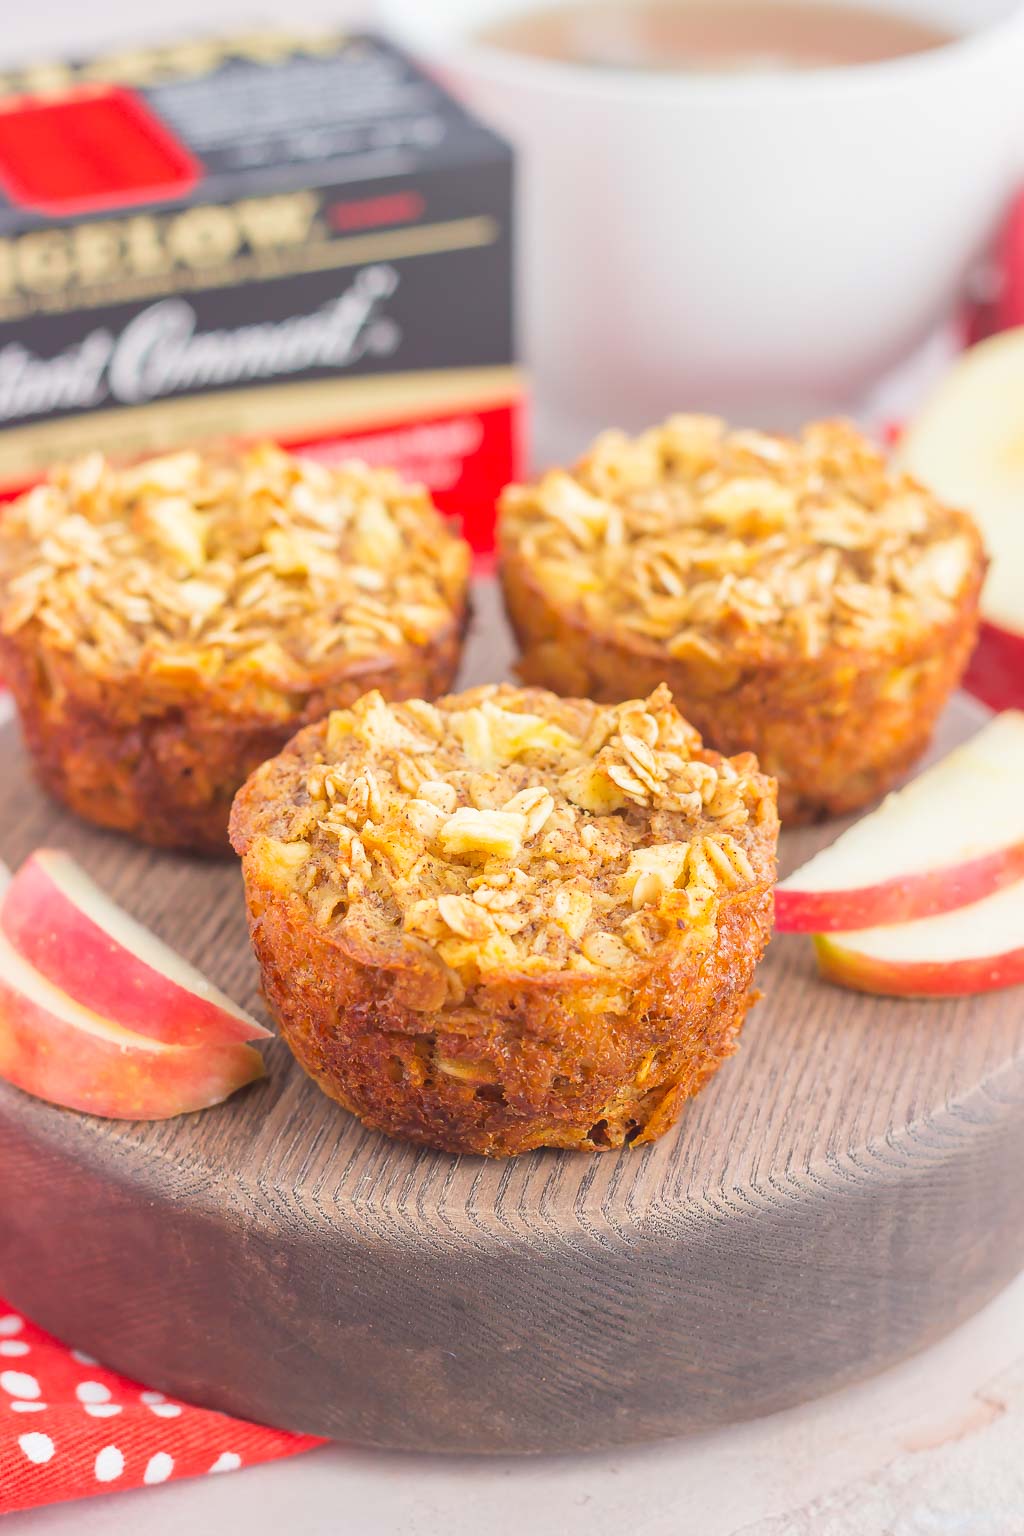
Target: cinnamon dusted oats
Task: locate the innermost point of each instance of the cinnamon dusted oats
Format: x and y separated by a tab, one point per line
168	625
802	600
508	919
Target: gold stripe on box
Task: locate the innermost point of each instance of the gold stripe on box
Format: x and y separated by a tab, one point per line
54	271
312	409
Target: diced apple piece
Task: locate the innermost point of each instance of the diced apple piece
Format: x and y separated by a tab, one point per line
950	837
58	1050
65	926
967	445
975	949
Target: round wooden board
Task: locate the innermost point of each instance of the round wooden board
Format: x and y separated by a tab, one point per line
847	1189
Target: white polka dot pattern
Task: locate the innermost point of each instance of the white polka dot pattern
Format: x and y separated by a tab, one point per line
227	1461
158	1468
19	1384
92	1392
38	1448
109	1464
70	1427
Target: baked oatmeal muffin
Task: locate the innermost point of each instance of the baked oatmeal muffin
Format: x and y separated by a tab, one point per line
166	627
508	920
801	599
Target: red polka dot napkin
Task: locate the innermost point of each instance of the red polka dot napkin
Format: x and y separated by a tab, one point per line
70	1428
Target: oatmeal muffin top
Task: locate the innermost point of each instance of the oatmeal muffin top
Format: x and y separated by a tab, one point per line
704	541
257	565
507	830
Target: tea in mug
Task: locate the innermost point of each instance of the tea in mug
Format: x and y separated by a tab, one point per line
713	35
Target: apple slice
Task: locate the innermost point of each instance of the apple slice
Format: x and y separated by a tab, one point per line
995	673
950	837
967	444
65	926
58	1050
1001	306
974	949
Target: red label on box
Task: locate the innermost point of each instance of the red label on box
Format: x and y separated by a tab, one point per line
90	150
464	458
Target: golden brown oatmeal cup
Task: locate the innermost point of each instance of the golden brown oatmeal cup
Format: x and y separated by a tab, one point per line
508	920
801	600
168	626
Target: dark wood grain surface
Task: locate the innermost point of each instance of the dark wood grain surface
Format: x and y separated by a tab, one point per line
847	1189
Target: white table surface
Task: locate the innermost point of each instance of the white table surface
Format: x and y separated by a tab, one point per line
934	1447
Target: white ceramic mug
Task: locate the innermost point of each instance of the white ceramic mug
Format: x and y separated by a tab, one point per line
766	245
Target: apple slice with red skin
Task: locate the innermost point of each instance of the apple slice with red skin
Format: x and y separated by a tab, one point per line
951	837
967	444
995	674
979	948
1001	307
56	1049
68	929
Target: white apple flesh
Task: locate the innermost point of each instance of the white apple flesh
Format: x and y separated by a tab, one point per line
951	837
55	1049
60	921
967	445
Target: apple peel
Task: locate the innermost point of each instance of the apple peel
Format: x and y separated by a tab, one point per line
61	923
950	838
978	948
56	1049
